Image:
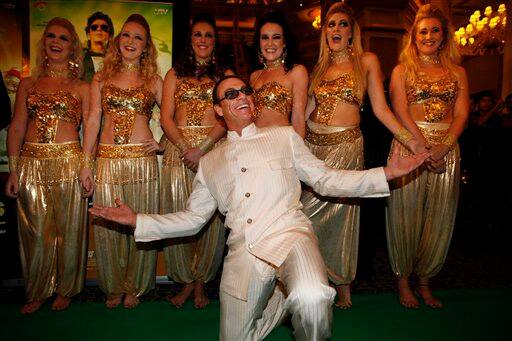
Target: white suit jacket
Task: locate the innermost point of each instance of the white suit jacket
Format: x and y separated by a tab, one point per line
254	180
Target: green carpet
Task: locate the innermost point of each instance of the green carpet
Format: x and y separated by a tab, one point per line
475	314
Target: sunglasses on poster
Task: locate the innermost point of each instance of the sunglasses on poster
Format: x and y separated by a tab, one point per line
233	93
103	27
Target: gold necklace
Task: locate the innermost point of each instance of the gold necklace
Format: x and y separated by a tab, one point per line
274	64
341	56
130	66
56	73
430	59
202	62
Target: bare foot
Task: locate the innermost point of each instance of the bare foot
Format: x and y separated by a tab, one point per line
113	302
31	307
344	300
429	299
179	299
405	294
200	298
130	301
61	303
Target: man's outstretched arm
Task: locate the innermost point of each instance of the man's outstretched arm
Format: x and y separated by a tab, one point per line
149	227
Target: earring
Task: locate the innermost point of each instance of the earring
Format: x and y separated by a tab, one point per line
73	67
284	55
46	63
191	57
213	57
261	60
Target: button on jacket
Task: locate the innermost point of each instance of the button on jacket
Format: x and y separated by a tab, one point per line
254	180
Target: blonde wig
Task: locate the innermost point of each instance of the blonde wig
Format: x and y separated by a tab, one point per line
75	57
114	61
448	54
357	49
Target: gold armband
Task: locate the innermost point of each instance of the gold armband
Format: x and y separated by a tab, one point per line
449	140
207	144
182	145
87	162
403	136
13	163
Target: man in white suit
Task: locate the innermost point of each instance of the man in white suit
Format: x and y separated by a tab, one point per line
254	180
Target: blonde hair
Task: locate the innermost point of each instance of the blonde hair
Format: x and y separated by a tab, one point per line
113	60
448	54
357	48
75	55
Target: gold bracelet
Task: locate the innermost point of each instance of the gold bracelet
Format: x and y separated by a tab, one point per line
182	145
207	144
87	162
403	136
449	140
13	163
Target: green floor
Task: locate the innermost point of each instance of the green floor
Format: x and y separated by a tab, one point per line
476	314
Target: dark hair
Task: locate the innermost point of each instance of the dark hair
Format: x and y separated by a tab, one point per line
215	95
186	66
486	93
100	16
277	18
509	96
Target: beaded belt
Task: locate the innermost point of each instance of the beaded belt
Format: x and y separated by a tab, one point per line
124	151
348	135
51	150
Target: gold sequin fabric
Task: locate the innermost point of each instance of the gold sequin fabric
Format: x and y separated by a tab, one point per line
111	151
50	163
436	95
329	92
123	105
349	135
196	96
46	109
273	96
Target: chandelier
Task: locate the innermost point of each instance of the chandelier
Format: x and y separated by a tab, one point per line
483	35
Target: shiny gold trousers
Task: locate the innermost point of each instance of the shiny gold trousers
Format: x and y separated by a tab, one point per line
52	219
335	220
195	258
130	174
421	212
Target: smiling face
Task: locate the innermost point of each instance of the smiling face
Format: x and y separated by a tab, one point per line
132	41
202	40
429	36
272	42
57	43
238	112
338	31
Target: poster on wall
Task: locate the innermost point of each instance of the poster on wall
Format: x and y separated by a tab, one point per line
97	22
11	62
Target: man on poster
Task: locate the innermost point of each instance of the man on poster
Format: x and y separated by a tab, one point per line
254	180
99	31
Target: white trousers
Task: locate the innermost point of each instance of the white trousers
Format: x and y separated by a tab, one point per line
309	300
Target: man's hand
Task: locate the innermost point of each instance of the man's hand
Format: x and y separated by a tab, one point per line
121	214
401	165
191	158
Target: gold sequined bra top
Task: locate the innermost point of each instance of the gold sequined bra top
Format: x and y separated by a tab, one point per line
329	92
197	98
436	96
273	96
123	105
47	109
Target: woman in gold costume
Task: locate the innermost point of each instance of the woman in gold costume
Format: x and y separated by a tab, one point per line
338	83
429	94
44	161
124	93
280	86
190	124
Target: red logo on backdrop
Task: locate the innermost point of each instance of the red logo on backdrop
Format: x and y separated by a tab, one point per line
40	5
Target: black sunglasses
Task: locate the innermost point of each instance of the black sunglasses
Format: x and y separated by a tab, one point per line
103	27
233	93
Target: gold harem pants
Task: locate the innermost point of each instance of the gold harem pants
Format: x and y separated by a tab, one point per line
421	211
129	173
195	258
335	220
52	219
